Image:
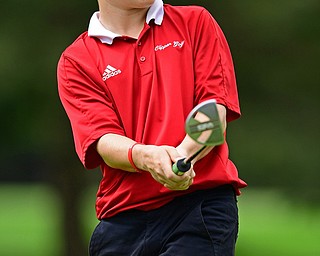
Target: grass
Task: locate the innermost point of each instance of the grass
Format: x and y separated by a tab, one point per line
270	225
29	221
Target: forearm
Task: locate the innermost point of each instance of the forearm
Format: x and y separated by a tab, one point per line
113	149
188	146
157	160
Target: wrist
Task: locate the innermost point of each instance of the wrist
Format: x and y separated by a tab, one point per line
181	151
132	155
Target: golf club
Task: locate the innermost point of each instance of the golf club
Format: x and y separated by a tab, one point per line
203	126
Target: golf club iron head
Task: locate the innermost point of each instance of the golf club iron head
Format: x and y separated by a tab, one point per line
203	124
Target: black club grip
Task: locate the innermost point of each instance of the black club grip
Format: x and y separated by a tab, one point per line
180	167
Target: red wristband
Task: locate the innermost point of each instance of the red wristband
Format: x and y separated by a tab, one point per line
130	157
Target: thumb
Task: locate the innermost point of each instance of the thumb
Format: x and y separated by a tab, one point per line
173	153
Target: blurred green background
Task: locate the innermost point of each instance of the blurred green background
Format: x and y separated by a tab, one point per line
47	198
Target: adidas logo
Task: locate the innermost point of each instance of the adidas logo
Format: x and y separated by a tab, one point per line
110	72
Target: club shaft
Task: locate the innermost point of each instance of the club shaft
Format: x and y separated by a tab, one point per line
190	158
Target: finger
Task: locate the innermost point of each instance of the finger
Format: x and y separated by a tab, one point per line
180	186
177	181
166	176
176	188
162	179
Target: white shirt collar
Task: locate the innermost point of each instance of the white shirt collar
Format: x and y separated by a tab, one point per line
96	29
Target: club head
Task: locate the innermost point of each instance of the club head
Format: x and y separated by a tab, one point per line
203	124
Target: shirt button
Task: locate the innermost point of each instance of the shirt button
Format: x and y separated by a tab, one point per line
142	58
139	43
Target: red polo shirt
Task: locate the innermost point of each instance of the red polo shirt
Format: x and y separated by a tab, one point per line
144	89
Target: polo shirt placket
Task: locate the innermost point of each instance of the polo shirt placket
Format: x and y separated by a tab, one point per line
144	51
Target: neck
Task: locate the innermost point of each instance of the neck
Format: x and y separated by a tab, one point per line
127	22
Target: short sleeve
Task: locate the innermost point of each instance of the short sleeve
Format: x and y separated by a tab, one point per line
89	109
214	69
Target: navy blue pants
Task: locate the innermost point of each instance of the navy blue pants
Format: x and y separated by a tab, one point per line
202	223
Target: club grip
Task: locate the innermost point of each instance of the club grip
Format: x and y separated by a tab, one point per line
180	167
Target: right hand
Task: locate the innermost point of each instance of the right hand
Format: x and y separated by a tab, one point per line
157	160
